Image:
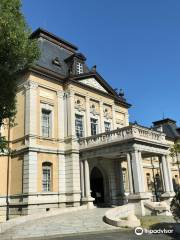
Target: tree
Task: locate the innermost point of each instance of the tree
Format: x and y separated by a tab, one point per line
175	149
17	53
175	203
175	153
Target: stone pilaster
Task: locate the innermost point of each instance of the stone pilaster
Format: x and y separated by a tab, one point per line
62	177
113	118
88	128
30	173
101	117
72	170
31	111
61	115
70	114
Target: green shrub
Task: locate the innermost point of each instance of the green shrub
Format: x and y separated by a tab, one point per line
175	207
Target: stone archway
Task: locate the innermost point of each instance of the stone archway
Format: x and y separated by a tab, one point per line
97	186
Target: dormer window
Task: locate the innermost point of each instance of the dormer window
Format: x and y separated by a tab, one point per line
79	68
56	62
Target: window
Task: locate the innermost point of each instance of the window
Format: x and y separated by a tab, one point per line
79	126
94	126
107	126
79	68
46	176
46	123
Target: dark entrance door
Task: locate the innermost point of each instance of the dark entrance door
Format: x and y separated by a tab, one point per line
97	186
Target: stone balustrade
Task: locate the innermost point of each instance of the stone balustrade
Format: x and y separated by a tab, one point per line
121	134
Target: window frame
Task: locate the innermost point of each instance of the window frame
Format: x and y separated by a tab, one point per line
96	124
79	129
47	182
79	67
47	107
108	130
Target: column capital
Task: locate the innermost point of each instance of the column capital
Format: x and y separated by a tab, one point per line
30	85
60	94
70	93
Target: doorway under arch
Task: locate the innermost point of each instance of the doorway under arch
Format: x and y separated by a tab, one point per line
97	186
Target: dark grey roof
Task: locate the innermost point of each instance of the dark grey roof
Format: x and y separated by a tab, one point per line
169	127
54	48
50	51
40	32
60	57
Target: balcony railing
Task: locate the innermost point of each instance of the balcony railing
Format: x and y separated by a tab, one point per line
121	134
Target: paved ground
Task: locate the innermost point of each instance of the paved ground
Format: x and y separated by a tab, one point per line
110	235
68	223
121	235
82	225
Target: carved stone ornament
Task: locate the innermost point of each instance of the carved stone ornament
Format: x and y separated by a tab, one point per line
30	85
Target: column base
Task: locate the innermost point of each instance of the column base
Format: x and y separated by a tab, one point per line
88	201
138	199
139	196
167	197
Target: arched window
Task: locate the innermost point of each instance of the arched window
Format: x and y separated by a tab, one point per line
46	176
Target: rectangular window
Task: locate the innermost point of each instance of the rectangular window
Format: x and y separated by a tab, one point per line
79	68
46	178
46	123
107	126
79	126
94	126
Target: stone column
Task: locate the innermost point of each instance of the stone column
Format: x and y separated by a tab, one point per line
169	174
121	179
88	128
165	174
30	173
31	111
60	96
101	117
131	190
138	175
82	178
162	175
139	196
87	179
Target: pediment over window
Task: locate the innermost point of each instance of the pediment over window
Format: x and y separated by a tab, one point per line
92	82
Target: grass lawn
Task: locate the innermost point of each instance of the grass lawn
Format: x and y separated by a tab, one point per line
150	221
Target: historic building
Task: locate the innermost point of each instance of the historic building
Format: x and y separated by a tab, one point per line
72	143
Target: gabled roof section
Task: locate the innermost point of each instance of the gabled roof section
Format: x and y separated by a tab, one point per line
97	82
40	32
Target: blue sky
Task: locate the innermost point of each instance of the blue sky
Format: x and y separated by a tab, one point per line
134	43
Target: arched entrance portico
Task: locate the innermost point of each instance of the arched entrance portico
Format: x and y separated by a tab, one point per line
97	186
